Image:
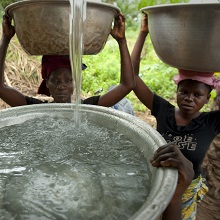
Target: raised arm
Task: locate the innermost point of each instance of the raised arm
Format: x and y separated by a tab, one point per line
169	155
10	95
144	94
127	82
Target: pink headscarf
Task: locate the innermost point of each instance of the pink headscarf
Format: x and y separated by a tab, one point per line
49	64
207	78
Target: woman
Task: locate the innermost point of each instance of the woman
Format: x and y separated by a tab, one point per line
57	77
191	130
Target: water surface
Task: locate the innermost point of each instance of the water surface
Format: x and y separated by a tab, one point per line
52	169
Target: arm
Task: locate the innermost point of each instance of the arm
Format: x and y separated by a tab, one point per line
169	155
141	90
8	94
127	82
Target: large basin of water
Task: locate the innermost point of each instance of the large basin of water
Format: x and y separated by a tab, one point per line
186	35
51	168
42	26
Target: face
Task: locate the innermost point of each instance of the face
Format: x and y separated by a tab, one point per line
192	96
60	85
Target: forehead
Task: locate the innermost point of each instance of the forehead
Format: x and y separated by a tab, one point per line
193	85
60	72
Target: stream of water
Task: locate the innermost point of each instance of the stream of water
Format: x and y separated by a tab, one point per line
77	17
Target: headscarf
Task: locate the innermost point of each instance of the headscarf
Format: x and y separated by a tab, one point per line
49	64
207	78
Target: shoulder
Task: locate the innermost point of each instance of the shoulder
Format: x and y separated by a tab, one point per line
212	119
212	115
93	100
159	101
31	101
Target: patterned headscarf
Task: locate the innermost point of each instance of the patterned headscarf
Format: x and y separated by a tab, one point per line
207	78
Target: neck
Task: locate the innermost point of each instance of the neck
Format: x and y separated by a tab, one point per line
184	119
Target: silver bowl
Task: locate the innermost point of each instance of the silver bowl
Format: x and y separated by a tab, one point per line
162	181
42	26
186	36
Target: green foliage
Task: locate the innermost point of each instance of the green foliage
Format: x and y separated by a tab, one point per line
145	3
130	9
104	70
4	3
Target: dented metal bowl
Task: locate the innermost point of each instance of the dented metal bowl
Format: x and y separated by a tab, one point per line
186	35
42	26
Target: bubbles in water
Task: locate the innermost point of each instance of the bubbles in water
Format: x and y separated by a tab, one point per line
57	172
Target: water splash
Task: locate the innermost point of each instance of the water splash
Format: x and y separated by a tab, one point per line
77	17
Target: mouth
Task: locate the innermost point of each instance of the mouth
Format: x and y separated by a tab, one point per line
61	95
188	107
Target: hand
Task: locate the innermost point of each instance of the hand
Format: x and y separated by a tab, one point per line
169	155
144	24
118	31
8	29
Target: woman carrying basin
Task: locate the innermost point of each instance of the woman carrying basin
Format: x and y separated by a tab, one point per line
185	126
57	77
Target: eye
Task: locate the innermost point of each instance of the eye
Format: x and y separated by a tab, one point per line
68	81
57	82
182	92
197	95
54	81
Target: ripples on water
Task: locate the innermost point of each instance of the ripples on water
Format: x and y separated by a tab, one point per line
49	169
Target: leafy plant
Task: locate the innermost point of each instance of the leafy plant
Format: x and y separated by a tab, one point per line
145	3
5	3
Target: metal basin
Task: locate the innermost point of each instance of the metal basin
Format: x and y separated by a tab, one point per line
42	26
186	35
162	180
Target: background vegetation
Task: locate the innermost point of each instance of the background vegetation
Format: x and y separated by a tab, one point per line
104	68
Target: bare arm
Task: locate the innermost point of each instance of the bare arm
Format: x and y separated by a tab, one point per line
141	90
9	95
169	155
127	82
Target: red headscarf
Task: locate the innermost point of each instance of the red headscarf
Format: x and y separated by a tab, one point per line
207	78
49	64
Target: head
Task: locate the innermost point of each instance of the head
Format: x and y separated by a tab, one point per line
193	90
57	78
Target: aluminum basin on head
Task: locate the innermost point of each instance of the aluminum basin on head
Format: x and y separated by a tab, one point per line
163	180
42	26
186	36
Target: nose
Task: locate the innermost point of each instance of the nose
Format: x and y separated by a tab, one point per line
189	97
61	85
